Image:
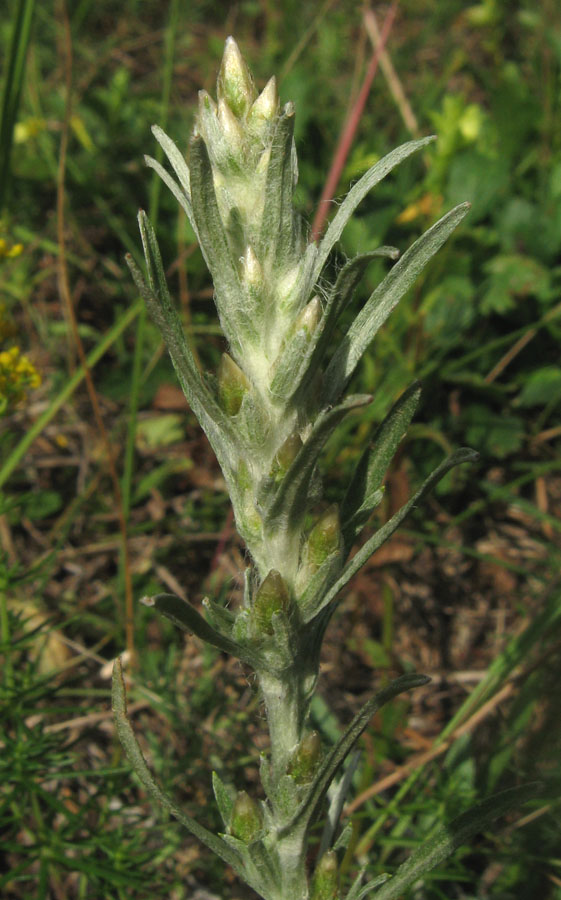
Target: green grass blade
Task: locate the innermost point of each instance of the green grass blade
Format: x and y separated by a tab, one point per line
451	836
93	358
13	79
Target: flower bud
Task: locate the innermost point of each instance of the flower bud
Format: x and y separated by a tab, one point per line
251	269
325	881
231	129
309	317
304	762
324	538
285	455
266	106
247	819
232	385
272	597
263	162
235	83
208	127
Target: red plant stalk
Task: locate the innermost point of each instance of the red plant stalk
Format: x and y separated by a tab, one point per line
349	129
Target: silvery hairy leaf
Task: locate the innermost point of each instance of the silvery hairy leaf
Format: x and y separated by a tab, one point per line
363	493
383	300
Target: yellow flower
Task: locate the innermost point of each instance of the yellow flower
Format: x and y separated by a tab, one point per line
9	251
17	376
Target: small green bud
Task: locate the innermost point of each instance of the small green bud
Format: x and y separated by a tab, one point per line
207	124
266	106
304	762
309	317
251	269
247	819
272	597
285	455
324	538
232	385
235	83
263	162
231	129
325	881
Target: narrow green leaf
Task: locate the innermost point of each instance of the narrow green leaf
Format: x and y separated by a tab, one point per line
347	280
253	421
363	493
14	71
188	619
219	616
372	885
354	890
289	502
160	306
138	763
358	192
176	158
292	359
328	769
225	796
340	295
318	583
229	291
277	227
451	836
464	454
383	300
175	189
337	799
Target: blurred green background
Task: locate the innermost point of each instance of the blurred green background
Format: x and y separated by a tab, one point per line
469	591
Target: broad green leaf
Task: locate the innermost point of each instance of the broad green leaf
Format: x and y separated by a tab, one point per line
363	493
358	192
383	300
541	387
330	765
137	761
451	836
462	455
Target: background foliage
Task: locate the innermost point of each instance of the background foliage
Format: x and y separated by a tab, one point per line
472	579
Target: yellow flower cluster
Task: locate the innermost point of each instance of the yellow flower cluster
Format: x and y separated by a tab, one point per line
9	251
17	375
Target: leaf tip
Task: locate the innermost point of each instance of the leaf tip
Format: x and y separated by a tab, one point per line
467	454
